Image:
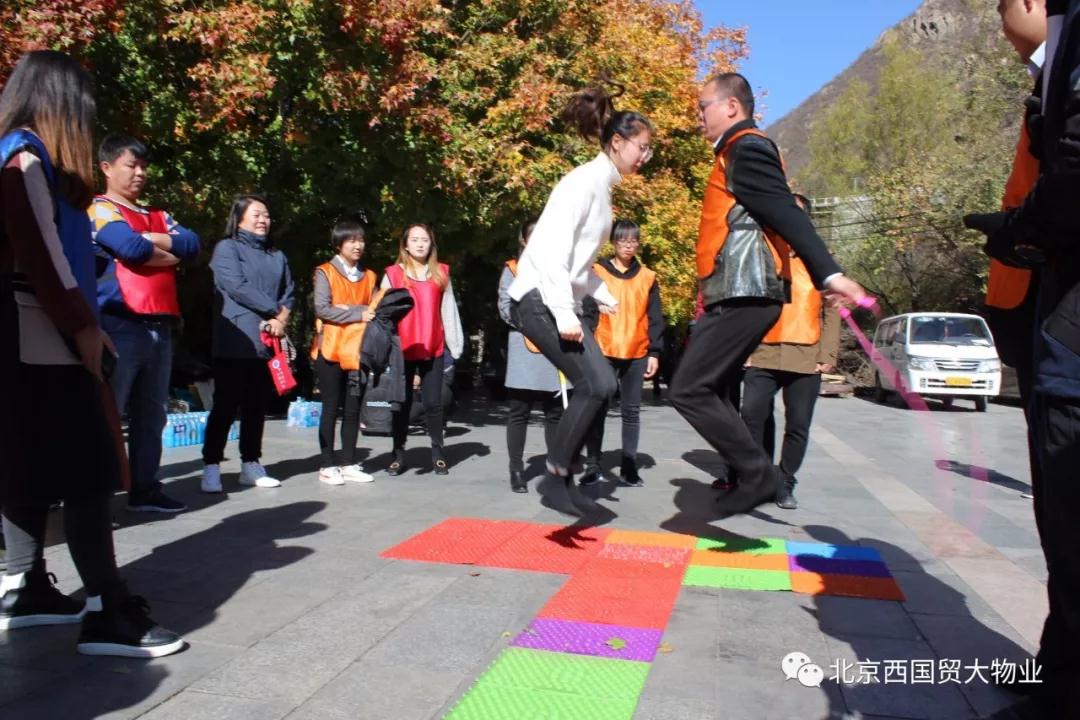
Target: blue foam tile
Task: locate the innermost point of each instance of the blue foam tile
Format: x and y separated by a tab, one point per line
834	552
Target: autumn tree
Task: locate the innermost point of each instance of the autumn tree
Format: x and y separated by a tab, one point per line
403	109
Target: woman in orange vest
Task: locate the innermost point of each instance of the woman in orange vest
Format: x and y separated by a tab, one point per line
631	340
431	327
342	290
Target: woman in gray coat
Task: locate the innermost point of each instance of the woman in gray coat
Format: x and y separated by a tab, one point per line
530	378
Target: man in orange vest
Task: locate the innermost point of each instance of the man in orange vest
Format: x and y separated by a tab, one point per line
139	248
802	344
749	219
631	340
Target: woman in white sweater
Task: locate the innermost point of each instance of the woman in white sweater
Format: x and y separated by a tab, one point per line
555	273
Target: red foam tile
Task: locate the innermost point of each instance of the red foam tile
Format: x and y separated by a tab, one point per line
848	585
459	541
643	600
655	554
547	548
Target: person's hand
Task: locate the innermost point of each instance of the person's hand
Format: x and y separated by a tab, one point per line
574	334
368	315
651	367
842	290
90	342
277	328
824	368
607	309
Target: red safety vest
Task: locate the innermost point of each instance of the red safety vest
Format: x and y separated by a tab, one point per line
421	330
146	290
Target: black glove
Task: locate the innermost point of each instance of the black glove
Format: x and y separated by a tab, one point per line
1003	239
986	223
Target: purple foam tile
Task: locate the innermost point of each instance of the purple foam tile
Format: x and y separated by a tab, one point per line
832	566
582	638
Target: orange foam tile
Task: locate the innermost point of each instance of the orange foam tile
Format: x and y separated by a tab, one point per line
547	548
459	541
655	554
847	585
654	539
745	561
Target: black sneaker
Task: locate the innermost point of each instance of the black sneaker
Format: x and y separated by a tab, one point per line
628	474
156	501
37	602
123	627
591	477
785	496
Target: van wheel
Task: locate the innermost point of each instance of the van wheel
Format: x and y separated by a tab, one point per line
980	403
880	394
946	403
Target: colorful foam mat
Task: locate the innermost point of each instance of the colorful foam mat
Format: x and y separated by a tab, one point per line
588	652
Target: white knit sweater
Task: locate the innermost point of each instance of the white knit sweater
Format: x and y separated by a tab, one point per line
562	249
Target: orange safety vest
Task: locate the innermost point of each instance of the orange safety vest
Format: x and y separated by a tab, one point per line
800	320
715	209
625	335
511	265
341	343
1006	287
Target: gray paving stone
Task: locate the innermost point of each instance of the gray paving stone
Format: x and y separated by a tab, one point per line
190	704
860	616
375	689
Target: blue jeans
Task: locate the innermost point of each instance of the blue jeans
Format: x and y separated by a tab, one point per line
140	385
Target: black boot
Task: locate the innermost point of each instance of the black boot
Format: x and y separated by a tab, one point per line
438	461
119	624
37	602
556	494
785	496
628	474
397	465
517	481
746	496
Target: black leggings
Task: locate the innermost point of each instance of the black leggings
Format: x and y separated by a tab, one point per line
431	387
88	527
583	364
630	375
244	385
333	389
517	420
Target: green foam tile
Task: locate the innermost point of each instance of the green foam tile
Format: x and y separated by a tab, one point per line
581	675
487	701
737	578
754	546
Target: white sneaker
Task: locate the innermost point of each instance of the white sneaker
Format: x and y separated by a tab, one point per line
252	473
331	476
354	473
211	479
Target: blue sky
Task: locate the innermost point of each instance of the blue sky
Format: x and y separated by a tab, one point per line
796	46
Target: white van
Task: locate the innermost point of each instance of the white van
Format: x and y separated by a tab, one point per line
939	355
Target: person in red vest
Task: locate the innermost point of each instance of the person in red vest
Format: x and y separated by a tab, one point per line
802	344
139	248
343	291
749	219
631	340
430	328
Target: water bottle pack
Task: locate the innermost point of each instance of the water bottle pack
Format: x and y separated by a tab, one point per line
185	429
304	413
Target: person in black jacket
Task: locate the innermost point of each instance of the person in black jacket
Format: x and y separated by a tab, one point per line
749	219
1044	232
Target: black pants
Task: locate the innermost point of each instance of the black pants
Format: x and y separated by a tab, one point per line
517	421
431	389
582	363
333	389
239	385
800	392
88	528
630	376
723	339
1058	430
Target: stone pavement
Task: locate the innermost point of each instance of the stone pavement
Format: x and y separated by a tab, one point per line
291	613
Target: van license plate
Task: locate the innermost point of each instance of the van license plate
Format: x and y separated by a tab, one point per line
958	381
